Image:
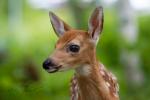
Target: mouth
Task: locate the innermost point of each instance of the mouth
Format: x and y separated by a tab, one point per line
54	69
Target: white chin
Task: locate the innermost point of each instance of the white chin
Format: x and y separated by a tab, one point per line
52	70
64	69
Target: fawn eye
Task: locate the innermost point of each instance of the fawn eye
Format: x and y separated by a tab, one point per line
74	48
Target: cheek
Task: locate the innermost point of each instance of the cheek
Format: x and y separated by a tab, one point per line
59	57
78	59
66	59
72	61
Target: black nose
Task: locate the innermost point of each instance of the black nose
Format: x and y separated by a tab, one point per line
48	63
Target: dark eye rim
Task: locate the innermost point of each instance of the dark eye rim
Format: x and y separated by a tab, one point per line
69	49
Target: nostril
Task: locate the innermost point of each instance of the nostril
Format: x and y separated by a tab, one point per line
47	63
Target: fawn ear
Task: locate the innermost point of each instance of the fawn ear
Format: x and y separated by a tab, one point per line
96	23
59	26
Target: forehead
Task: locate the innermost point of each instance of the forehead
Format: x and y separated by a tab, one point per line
71	36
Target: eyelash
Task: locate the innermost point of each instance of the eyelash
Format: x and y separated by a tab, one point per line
73	48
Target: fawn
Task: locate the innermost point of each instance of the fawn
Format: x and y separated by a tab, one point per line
76	49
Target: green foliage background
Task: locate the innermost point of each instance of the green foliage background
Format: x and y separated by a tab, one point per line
34	40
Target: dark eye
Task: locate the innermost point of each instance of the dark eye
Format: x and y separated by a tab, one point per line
74	48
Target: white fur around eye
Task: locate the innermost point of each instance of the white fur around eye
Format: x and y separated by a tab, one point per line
75	42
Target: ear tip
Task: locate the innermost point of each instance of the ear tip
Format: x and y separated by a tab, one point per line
99	8
51	13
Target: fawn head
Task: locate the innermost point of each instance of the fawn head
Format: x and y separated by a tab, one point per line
74	47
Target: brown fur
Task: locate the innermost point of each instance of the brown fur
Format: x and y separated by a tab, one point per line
84	56
93	86
91	81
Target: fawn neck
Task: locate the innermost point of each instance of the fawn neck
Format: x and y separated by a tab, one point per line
91	84
76	47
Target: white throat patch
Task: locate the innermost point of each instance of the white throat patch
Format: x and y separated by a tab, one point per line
84	70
